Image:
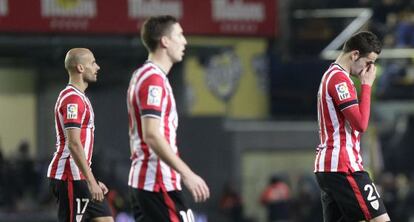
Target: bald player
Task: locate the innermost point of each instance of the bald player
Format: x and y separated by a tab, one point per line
79	195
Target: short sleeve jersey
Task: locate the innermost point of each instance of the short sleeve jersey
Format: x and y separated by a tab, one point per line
72	110
150	96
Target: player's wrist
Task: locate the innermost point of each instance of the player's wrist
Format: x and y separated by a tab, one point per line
90	179
366	83
187	174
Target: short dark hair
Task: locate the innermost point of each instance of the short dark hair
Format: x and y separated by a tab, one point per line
154	28
365	42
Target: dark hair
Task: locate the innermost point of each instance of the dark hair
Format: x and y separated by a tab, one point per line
154	28
365	42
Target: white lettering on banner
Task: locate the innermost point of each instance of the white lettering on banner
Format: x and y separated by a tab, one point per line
146	8
238	28
69	8
4	8
224	10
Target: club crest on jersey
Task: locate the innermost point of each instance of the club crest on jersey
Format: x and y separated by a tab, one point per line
375	204
154	95
72	111
342	90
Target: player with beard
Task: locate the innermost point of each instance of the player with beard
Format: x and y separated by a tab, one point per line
80	196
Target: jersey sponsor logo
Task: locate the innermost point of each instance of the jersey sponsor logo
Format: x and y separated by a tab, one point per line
342	90
154	95
72	111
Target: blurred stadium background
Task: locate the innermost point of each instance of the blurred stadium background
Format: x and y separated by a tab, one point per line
246	93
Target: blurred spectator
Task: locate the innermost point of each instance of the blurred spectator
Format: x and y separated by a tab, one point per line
4	198
396	80
231	204
406	210
389	193
306	206
384	16
26	176
276	198
405	29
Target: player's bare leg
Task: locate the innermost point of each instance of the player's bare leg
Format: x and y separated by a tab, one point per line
381	218
103	219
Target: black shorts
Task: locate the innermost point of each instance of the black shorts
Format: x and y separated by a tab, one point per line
160	206
349	197
75	203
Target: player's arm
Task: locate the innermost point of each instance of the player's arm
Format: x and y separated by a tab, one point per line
72	110
158	143
152	95
345	97
78	155
358	116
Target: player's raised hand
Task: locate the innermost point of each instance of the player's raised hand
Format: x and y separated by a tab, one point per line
96	191
368	75
196	185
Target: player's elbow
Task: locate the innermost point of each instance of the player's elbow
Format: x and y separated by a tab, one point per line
360	127
74	145
150	137
358	124
361	130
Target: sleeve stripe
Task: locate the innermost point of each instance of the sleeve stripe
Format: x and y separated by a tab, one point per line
151	116
347	104
72	125
150	112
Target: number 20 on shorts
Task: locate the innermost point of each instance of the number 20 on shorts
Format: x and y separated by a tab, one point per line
187	216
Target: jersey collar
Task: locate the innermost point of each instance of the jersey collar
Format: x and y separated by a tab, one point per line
340	67
76	89
156	66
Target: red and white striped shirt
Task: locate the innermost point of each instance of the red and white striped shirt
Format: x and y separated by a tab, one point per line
72	110
339	148
150	95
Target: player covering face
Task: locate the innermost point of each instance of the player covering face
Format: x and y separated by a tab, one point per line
347	191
